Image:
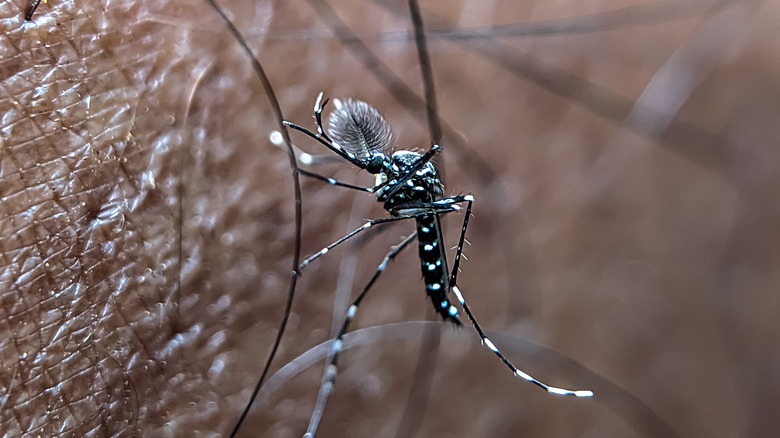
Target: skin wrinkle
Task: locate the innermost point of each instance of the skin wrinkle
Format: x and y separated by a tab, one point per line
89	268
146	224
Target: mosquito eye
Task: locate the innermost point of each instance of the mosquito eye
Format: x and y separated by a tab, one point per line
374	165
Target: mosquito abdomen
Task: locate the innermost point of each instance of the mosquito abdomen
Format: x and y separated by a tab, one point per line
433	263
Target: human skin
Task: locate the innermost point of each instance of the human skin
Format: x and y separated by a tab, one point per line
627	219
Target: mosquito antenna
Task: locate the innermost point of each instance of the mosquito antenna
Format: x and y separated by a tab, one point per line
359	128
277	111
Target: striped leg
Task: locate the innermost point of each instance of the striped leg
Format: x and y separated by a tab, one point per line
485	340
331	369
351	234
440	207
334	182
408	211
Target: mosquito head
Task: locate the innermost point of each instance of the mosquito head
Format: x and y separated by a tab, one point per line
377	163
358	128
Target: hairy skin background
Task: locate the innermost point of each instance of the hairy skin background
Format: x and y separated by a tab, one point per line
146	220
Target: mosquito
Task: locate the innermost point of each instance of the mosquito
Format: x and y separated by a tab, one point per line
409	187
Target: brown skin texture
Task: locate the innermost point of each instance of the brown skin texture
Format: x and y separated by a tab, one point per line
626	219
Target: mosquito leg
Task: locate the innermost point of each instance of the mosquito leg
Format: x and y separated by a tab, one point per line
331	369
324	140
351	234
442	206
459	252
485	340
319	105
334	182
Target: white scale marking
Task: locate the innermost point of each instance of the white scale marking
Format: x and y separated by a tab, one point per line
331	371
458	294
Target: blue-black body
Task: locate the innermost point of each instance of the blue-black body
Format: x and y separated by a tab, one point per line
422	188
